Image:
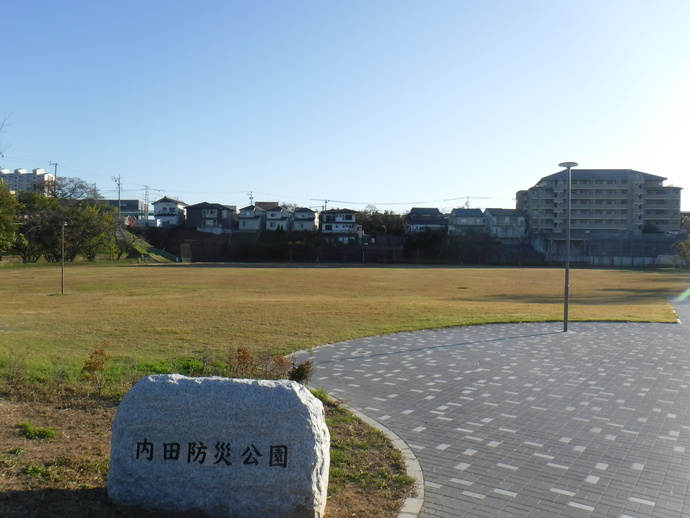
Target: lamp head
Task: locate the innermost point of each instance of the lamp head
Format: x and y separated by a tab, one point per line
568	164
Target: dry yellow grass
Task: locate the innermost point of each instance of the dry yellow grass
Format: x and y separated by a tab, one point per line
156	313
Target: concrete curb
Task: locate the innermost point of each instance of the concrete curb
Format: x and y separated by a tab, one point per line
413	505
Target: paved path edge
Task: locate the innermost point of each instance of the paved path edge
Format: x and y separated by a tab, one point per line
413	504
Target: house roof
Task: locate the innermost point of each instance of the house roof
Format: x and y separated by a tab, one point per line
165	199
252	208
207	205
425	211
304	209
600	174
266	205
467	213
339	211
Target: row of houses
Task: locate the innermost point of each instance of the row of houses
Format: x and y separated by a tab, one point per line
603	201
217	218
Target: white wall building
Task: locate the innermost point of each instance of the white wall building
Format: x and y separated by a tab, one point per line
22	180
304	219
169	212
278	218
603	200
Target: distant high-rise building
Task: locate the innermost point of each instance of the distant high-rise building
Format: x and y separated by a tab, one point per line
603	201
21	180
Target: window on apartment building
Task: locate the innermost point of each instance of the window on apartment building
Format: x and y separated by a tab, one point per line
347	217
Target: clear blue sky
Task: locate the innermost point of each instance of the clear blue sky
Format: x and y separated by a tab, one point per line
391	103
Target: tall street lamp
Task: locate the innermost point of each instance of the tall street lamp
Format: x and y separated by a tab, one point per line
64	224
567	244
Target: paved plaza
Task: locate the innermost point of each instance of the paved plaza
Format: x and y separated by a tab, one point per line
525	420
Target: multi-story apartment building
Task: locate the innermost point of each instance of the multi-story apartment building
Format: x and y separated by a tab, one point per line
603	201
21	180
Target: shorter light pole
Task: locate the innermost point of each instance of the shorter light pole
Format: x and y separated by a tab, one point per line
62	257
567	244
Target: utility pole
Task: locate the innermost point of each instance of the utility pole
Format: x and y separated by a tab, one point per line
54	164
325	202
117	180
147	190
50	162
251	198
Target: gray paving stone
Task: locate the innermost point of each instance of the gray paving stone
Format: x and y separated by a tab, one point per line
525	420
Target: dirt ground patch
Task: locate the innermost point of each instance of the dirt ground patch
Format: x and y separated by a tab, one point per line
65	476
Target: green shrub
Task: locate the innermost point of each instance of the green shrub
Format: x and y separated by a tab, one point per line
30	431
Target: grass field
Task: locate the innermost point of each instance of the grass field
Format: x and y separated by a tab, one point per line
153	314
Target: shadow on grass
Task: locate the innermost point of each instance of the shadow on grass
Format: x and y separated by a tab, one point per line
78	503
609	296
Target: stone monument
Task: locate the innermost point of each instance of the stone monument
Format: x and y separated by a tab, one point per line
226	447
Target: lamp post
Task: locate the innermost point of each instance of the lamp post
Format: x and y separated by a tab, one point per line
567	244
62	257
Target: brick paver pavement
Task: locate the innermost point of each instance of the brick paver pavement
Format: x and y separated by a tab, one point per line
525	420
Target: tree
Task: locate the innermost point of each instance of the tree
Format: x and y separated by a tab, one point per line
683	249
123	242
40	219
91	230
8	218
72	190
386	222
290	207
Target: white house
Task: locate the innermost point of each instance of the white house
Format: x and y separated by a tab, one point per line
278	218
464	220
340	224
169	212
506	223
304	219
252	219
